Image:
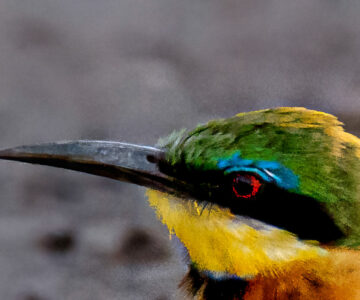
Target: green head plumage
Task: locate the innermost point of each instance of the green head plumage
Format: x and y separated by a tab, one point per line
304	151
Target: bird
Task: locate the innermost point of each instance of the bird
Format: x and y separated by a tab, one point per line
265	204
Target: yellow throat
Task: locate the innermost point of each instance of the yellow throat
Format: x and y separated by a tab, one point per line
221	242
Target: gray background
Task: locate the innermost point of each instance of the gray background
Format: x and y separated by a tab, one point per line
134	70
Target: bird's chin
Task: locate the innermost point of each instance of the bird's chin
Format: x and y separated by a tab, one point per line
223	245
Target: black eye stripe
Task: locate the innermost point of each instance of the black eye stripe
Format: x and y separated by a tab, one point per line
299	214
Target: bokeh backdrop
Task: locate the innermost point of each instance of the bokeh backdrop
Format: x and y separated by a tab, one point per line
134	70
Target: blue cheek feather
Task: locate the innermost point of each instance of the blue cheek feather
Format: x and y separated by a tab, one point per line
269	171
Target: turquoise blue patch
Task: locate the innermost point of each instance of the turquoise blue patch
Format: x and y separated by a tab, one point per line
220	276
269	171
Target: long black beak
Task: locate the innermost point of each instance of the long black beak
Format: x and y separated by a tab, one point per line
120	161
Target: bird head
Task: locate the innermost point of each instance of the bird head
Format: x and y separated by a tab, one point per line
246	195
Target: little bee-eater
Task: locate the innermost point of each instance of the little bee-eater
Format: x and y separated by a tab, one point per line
266	203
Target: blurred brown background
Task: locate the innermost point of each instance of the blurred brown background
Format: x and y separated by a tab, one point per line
134	70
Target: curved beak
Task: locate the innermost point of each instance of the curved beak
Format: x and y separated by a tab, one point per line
119	161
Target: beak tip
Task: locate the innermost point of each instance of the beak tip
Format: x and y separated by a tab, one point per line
4	153
9	154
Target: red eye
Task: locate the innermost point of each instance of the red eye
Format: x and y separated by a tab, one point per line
245	185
